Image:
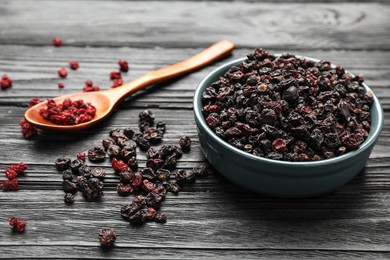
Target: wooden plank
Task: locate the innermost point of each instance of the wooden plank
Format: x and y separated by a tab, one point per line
194	24
124	252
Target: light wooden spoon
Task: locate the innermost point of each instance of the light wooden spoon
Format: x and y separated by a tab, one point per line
106	100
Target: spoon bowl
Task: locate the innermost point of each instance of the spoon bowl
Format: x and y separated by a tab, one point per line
105	101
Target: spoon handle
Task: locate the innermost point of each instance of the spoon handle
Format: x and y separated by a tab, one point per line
207	56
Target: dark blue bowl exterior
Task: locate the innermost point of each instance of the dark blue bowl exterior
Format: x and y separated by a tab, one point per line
280	178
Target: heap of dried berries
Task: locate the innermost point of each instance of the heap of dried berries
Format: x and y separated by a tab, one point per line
107	237
68	112
149	184
89	87
12	173
5	82
78	176
18	225
289	108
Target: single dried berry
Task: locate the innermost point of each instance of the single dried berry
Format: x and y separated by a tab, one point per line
68	112
123	65
117	83
126	176
148	185
124	188
352	141
34	101
115	75
114	151
62	163
107	237
81	156
129	210
163	174
142	143
61	85
118	166
170	162
185	143
28	130
174	187
148	173
57	42
10	185
68	175
69	198
146	116
155	164
74	65
62	72
69	187
153	135
98	172
136	183
153	200
161	126
128	132
96	154
18	225
11	174
75	165
160	218
5	81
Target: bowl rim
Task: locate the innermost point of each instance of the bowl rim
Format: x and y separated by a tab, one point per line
197	103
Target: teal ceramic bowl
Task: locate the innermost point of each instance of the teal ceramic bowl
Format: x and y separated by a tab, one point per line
281	178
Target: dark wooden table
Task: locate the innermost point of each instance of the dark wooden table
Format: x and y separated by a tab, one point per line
212	218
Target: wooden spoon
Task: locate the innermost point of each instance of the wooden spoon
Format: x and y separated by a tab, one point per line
106	100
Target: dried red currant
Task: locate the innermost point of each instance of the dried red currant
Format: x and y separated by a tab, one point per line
5	82
10	185
74	65
61	85
123	65
57	42
18	225
115	75
28	130
34	101
62	73
107	237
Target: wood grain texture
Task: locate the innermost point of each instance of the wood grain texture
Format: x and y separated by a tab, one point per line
212	218
194	24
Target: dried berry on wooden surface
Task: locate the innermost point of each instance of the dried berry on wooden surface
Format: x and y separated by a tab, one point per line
107	237
288	108
16	224
57	42
5	82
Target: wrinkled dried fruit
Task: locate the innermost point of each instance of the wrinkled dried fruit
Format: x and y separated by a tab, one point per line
107	237
74	65
57	42
18	225
5	82
123	65
10	185
62	73
96	154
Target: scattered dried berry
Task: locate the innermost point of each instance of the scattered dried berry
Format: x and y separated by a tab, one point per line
74	65
62	163
28	130
123	65
115	75
81	156
19	167
5	82
18	225
57	42
62	73
147	116
69	198
34	101
68	112
185	143
117	83
107	237
61	85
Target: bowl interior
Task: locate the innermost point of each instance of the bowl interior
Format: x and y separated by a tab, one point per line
376	121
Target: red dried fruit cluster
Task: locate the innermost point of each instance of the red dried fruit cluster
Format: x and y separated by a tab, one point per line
89	87
28	129
57	42
69	112
17	224
116	76
5	82
12	172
